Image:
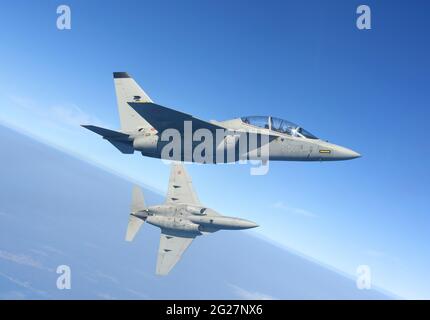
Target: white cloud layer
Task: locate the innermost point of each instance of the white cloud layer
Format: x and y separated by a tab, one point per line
250	295
296	211
20	259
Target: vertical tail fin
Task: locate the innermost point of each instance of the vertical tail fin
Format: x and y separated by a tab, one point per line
137	216
127	90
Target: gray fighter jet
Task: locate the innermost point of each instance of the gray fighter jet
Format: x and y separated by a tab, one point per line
181	218
143	124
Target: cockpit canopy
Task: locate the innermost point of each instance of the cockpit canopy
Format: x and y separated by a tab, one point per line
279	125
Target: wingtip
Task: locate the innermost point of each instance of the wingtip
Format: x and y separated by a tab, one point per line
119	75
161	273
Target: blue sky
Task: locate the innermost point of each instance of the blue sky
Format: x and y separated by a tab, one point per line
304	61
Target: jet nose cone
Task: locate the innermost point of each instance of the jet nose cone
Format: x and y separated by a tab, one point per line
246	224
342	153
355	154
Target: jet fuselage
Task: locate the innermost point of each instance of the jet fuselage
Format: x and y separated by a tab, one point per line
281	147
160	132
191	218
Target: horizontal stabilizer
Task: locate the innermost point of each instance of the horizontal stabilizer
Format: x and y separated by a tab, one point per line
137	200
136	219
134	224
107	133
123	146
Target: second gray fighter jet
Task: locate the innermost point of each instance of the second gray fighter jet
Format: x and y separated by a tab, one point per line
181	219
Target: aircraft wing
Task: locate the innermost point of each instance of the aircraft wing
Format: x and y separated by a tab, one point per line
162	118
180	189
172	246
